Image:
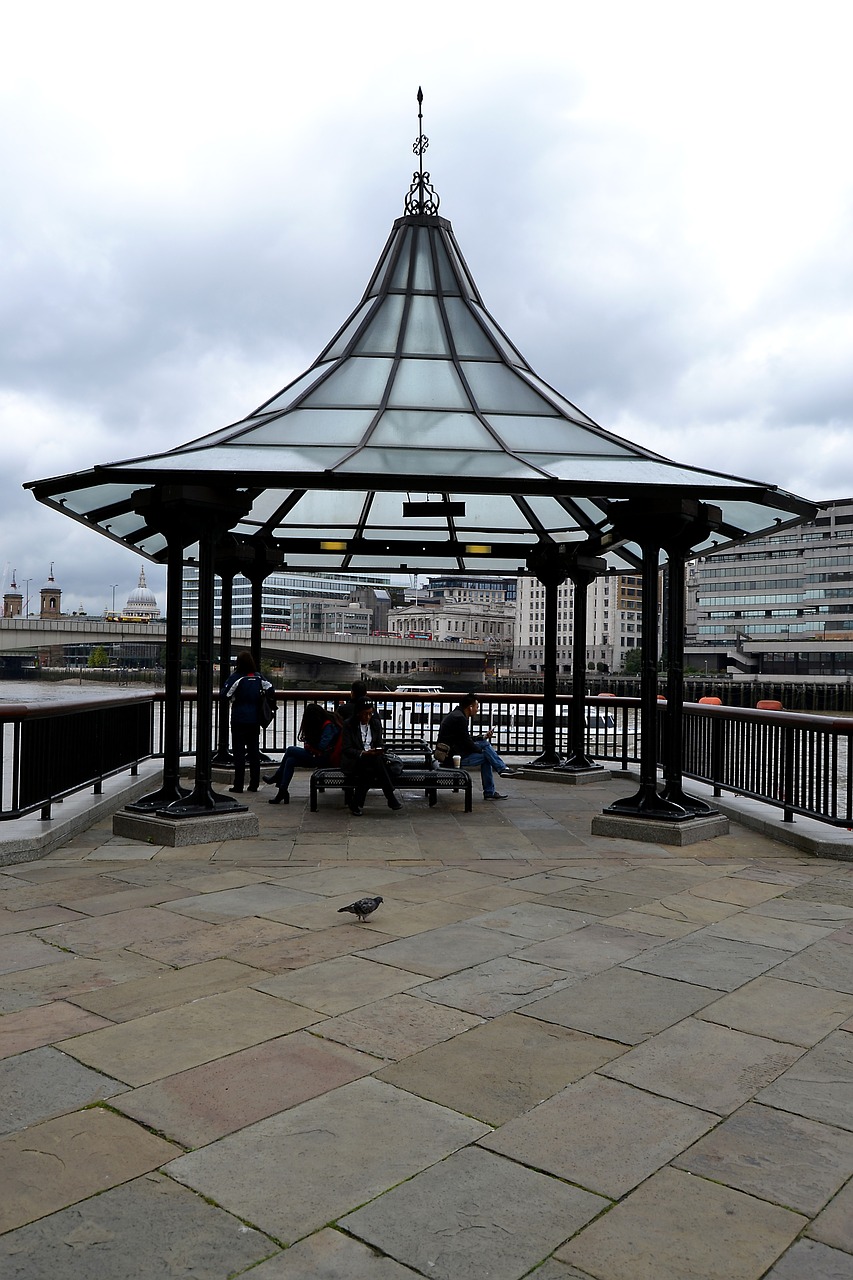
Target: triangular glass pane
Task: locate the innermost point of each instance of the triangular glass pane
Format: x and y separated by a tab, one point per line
532	434
427	384
339	347
383	331
414	427
424	335
424	280
446	276
384	265
359	380
498	389
400	277
501	342
469	339
569	409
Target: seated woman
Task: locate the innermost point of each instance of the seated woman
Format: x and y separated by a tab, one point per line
363	758
320	732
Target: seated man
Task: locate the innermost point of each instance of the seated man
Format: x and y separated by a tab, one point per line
456	732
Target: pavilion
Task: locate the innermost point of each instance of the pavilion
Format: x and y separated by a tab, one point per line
420	439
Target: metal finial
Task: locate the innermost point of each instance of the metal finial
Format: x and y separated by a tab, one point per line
422	197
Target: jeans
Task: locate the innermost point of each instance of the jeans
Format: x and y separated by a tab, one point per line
292	757
488	759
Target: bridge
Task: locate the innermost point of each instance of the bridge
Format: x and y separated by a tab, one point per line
29	635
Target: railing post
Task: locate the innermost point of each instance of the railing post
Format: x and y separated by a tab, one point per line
788	775
717	753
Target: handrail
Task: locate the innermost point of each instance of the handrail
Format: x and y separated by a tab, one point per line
794	761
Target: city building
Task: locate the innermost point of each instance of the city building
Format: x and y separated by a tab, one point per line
492	625
279	590
613	624
142	603
330	618
777	605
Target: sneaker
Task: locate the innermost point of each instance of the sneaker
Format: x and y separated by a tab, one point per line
511	773
394	803
495	795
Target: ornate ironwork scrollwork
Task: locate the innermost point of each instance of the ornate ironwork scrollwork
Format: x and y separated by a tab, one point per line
422	196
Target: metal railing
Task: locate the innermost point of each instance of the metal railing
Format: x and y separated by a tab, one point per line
794	762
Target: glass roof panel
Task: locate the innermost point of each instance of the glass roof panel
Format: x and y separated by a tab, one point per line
427	384
447	280
400	277
384	265
498	389
431	430
424	334
313	426
360	380
380	337
317	510
286	397
549	434
438	462
466	283
470	340
492	512
502	343
424	278
636	471
228	459
339	347
569	409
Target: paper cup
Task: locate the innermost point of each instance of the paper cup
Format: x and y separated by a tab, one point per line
457	762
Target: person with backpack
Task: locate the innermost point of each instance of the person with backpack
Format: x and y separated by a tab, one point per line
244	690
320	734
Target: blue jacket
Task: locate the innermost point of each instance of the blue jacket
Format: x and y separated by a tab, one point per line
244	694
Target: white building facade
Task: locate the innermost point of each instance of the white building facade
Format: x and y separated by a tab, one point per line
613	624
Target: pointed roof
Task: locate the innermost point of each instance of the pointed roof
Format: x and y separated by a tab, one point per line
420	436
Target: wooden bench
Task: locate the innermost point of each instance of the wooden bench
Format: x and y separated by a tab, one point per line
432	779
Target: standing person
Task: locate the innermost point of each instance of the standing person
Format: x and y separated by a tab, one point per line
455	730
244	689
320	735
363	758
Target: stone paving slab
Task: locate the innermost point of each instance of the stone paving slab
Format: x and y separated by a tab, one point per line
834	888
737	890
819	913
102	904
198	1106
678	1227
588	950
707	961
813	1261
31	1028
702	1064
34	918
594	899
336	986
644	922
249	900
396	1026
532	920
497	1070
63	1161
776	1156
835	1225
824	964
330	1255
496	987
160	1044
94	936
444	951
767	931
30	952
309	947
137	998
474	1215
56	981
819	1085
790	1011
602	1134
44	1082
217	941
301	1169
149	1227
686	908
622	1005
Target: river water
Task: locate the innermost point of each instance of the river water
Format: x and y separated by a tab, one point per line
37	692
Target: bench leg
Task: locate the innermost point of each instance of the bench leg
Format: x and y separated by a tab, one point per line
312	791
432	797
469	801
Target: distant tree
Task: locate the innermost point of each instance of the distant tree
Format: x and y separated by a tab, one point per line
633	662
99	657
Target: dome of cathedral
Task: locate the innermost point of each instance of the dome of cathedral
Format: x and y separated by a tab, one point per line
142	602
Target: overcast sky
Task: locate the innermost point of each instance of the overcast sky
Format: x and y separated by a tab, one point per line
655	200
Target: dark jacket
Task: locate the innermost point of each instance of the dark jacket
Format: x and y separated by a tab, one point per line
353	743
456	732
243	692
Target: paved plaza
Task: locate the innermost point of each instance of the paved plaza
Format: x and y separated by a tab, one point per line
547	1053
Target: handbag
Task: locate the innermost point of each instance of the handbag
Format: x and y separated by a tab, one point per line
442	751
267	707
394	765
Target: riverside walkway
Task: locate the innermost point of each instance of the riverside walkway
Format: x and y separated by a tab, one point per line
547	1053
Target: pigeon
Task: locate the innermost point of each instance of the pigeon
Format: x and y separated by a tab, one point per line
363	908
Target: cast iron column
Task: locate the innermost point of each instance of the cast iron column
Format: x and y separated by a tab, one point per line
550	568
582	575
